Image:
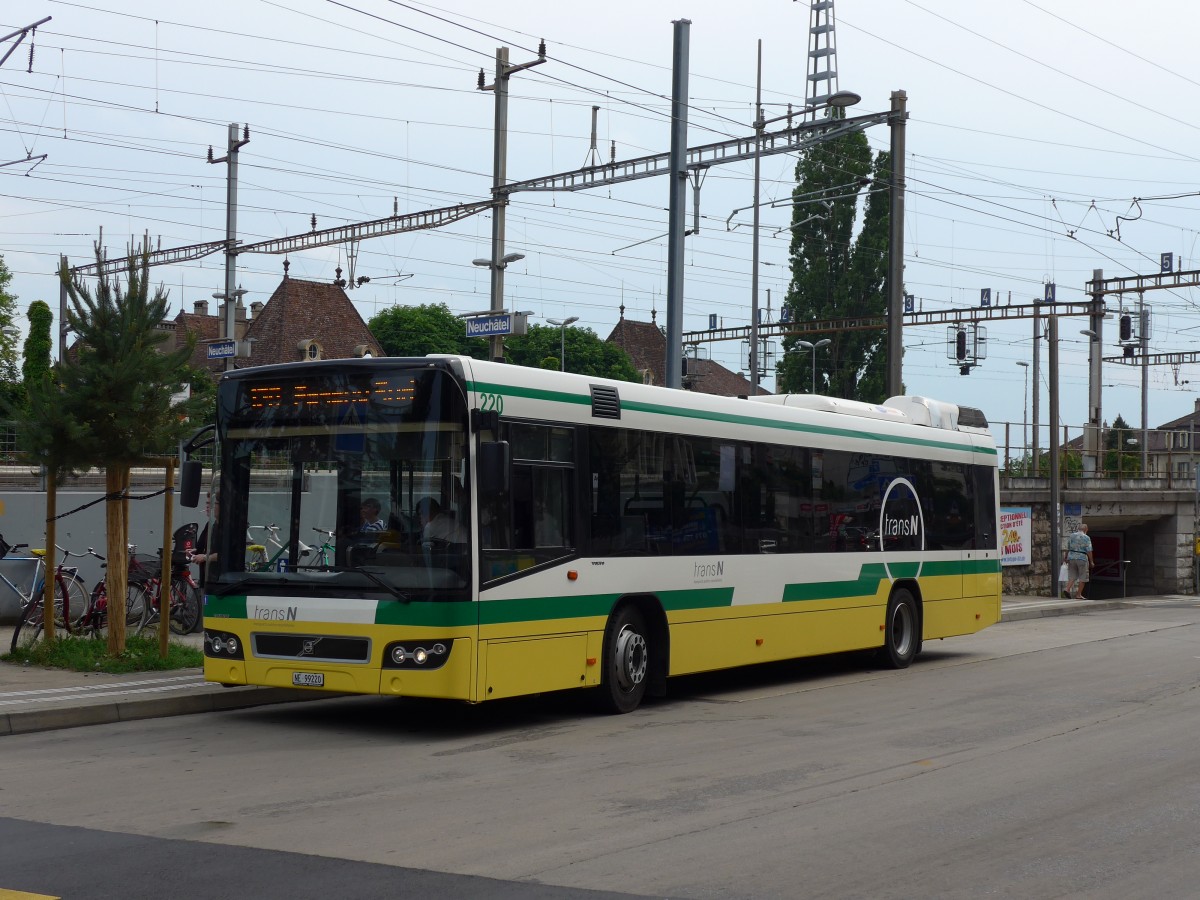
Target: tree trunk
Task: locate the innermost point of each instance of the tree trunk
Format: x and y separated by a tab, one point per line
51	583
116	481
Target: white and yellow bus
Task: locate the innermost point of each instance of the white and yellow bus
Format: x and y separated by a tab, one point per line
540	531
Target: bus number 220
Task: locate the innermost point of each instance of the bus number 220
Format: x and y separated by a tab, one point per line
490	402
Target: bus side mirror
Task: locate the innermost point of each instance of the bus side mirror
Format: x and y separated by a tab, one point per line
495	460
191	473
485	421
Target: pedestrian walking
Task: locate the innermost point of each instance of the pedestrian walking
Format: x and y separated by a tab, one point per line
1079	561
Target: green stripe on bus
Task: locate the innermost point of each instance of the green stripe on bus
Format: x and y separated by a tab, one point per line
866	585
959	567
870	575
429	615
484	387
755	421
232	607
534	609
798	427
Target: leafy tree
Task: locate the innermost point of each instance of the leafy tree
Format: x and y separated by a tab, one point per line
836	272
432	328
1122	453
586	353
10	388
204	395
112	403
36	363
424	329
1120	436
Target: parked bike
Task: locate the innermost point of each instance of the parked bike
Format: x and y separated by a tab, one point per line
69	593
186	598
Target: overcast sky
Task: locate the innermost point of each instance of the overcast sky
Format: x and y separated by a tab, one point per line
1034	125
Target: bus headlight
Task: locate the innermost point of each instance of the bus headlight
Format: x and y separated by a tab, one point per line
222	645
411	655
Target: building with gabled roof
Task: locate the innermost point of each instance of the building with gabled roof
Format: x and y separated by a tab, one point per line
301	320
646	345
307	320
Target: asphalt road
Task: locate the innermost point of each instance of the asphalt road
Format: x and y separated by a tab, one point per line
1051	757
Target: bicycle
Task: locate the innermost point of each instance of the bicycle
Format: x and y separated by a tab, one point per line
326	550
69	589
145	593
257	559
94	621
184	608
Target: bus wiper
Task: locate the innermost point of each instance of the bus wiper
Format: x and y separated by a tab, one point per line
385	585
220	588
374	577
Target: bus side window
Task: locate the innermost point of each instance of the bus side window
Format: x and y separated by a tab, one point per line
522	507
541	513
983	479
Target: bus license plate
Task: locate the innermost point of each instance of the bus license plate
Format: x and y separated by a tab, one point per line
308	679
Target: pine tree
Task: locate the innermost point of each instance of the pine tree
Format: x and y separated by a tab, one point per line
112	404
837	272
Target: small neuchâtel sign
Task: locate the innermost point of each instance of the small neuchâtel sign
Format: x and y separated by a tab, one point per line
497	324
490	326
225	349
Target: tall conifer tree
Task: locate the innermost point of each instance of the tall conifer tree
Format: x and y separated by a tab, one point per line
838	271
112	402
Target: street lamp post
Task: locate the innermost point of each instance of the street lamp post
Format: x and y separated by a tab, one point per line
1091	439
1025	415
562	347
813	348
231	298
497	266
1055	488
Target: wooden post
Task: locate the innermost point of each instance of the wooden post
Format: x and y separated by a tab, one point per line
51	537
164	591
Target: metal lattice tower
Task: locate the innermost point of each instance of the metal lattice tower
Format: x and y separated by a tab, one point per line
822	53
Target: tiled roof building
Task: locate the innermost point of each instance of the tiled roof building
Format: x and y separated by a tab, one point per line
647	347
308	320
301	320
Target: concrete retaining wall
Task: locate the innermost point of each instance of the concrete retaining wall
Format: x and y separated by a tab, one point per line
23	520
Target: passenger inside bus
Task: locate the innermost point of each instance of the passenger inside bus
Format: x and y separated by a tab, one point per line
438	524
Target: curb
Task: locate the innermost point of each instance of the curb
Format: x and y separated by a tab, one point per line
1059	608
131	710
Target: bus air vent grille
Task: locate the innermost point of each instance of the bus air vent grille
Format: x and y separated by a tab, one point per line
971	417
606	402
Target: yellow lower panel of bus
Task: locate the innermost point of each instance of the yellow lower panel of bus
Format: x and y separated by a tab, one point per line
947	618
726	642
225	671
451	681
533	665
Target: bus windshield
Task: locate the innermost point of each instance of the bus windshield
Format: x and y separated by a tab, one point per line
348	481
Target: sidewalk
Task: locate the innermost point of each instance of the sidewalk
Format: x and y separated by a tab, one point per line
34	699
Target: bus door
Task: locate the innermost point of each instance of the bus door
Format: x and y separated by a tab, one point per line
981	570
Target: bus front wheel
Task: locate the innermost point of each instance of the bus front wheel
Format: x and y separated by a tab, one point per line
626	662
901	630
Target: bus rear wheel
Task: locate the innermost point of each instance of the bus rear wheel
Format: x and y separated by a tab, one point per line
626	662
902	636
